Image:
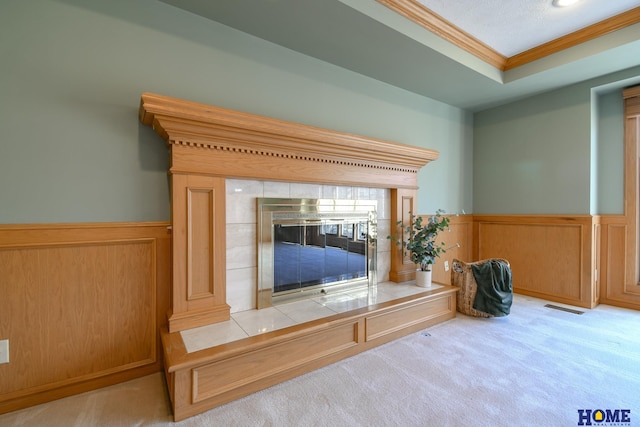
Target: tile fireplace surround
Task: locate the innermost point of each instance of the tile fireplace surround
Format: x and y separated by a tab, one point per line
241	229
221	161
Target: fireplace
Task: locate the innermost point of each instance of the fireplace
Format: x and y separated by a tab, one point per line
309	247
211	146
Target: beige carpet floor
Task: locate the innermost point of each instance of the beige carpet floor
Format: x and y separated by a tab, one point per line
537	367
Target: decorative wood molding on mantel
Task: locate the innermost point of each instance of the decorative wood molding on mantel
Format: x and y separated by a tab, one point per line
289	151
209	144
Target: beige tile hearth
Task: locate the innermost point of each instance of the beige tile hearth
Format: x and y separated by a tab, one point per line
389	290
212	335
254	322
305	310
339	303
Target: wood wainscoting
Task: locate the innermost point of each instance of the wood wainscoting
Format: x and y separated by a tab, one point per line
81	306
620	240
553	257
460	233
619	283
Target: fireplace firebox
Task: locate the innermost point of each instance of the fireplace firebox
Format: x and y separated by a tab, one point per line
308	247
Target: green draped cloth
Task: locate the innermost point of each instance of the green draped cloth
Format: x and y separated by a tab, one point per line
495	291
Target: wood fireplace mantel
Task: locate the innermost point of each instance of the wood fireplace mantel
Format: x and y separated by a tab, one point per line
208	138
209	144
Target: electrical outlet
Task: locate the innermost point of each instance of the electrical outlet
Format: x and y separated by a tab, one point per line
4	351
446	266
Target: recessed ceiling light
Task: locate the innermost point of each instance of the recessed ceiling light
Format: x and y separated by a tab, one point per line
564	3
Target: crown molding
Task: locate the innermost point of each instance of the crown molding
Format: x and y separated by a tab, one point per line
599	29
433	22
421	15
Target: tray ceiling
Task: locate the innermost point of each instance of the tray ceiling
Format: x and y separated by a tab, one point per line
512	27
388	40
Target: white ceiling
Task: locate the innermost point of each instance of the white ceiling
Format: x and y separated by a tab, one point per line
513	26
369	38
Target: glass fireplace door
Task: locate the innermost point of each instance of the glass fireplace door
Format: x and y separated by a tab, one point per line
317	253
313	246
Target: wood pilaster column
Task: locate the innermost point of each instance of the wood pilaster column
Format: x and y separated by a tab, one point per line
199	258
403	204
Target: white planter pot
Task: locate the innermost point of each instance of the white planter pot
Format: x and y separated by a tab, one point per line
423	278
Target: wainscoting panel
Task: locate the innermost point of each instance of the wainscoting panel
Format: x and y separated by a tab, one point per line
552	257
620	241
461	232
619	285
236	372
392	321
81	307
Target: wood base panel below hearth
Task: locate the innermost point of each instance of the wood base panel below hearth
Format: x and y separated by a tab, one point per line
208	378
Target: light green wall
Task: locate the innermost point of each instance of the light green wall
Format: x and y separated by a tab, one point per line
609	153
534	156
71	76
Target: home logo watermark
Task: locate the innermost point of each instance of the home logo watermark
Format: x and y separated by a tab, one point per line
604	417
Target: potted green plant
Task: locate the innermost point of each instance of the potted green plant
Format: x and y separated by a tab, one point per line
419	240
